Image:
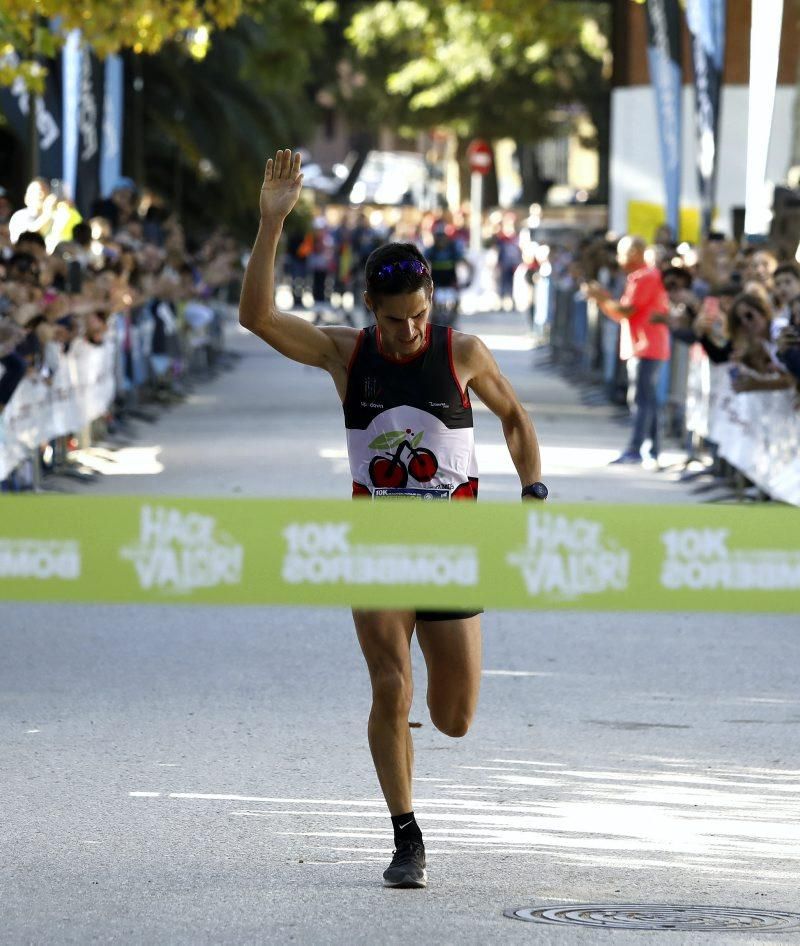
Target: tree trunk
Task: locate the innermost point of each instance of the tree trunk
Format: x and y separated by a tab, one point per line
491	188
463	167
361	143
534	187
795	161
600	112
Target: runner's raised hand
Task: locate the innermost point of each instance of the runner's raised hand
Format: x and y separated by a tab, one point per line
282	184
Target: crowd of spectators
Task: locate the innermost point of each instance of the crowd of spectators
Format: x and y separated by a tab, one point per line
656	304
326	249
68	281
739	303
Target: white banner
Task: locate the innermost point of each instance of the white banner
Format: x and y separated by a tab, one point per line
759	433
698	391
80	391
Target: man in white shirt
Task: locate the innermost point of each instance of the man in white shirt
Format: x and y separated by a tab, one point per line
37	213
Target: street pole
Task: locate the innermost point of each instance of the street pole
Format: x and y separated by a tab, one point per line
33	136
33	111
138	121
476	207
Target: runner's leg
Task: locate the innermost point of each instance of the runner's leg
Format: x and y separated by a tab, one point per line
452	651
385	639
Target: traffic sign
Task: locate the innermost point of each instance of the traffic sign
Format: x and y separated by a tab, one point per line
479	155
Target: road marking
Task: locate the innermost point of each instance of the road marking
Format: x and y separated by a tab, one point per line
293	801
524	762
485	768
144	794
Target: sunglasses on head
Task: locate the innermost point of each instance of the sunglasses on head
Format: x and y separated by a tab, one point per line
415	266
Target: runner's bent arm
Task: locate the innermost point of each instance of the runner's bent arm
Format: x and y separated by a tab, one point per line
483	375
291	336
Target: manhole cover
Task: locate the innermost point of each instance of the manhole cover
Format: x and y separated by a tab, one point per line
661	916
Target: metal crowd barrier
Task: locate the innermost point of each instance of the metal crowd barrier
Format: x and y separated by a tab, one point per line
89	381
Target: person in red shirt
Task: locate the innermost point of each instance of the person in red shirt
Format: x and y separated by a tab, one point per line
644	342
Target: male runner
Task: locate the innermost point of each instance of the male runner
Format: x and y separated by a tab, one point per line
443	258
401	374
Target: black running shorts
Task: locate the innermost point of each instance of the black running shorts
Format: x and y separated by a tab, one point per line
446	615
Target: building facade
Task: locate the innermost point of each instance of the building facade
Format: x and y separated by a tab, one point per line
637	194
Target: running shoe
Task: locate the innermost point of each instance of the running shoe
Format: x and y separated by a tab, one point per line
408	867
628	458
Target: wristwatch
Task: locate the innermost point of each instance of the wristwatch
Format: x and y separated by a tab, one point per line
536	490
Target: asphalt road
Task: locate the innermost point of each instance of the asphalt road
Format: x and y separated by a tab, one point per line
178	775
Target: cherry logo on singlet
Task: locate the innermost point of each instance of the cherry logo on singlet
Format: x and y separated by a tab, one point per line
390	471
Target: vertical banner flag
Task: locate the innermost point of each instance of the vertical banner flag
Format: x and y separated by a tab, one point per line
706	19
89	130
111	140
71	83
15	104
664	58
48	121
765	40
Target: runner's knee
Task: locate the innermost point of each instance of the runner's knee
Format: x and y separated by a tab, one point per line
392	692
455	724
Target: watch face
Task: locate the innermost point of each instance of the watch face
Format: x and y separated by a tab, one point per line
539	490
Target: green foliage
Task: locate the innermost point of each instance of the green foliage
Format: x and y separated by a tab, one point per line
143	26
107	26
227	113
480	68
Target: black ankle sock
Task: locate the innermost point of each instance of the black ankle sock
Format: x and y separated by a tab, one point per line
406	829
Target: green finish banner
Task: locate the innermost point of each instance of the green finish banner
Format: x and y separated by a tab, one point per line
400	554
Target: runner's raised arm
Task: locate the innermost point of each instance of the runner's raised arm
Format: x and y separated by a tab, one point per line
290	335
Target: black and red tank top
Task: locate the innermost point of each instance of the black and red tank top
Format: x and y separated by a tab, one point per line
409	422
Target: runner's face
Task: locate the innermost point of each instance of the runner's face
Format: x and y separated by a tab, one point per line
402	321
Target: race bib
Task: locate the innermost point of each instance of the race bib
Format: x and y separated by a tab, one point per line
410	492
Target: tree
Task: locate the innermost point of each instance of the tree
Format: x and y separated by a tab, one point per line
208	126
480	68
26	37
203	109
